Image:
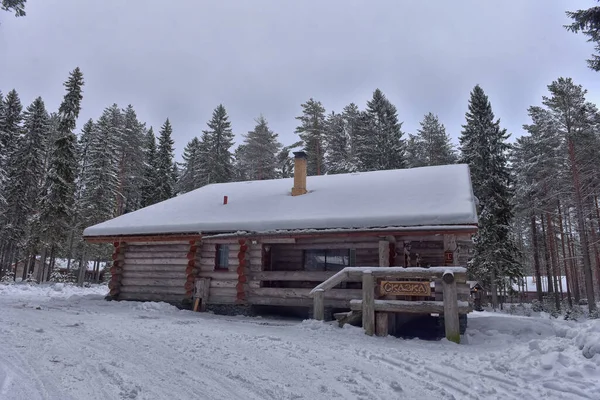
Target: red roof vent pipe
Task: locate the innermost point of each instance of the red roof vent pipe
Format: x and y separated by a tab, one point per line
224	200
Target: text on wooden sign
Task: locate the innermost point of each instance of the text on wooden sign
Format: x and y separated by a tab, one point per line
405	288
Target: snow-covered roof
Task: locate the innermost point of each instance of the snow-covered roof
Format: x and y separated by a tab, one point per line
440	195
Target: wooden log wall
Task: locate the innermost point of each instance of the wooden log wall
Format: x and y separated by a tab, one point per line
230	286
156	271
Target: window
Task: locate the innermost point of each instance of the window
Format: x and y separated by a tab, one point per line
328	260
221	257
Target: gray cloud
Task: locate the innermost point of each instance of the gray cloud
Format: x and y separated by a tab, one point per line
181	59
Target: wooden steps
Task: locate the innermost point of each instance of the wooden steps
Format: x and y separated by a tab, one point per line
352	317
417	307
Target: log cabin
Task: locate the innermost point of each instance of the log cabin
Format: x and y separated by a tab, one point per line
233	247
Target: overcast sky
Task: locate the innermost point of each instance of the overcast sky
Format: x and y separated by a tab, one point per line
180	59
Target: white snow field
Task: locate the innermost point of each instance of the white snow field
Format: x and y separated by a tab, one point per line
65	343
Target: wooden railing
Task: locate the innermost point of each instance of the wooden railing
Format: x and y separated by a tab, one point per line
377	309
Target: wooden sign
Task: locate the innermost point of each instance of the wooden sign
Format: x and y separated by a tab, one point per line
396	288
449	257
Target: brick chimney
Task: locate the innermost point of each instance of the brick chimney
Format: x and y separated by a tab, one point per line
299	174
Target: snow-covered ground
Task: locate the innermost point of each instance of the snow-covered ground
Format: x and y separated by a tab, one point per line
65	343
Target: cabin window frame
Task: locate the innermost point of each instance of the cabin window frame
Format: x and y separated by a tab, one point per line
348	254
221	257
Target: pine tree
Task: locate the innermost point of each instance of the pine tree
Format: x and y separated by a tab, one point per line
164	164
484	148
338	156
577	121
380	144
150	186
216	143
431	145
59	188
312	133
130	153
259	152
189	179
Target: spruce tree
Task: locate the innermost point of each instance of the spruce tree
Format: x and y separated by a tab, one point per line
484	148
25	179
10	135
150	186
100	194
16	6
240	165
338	156
380	144
215	146
588	22
164	163
431	145
59	188
130	154
259	152
352	122
312	132
189	179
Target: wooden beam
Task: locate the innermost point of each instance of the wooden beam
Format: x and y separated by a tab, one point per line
382	323
451	309
338	294
335	280
368	303
411	307
142	238
311	276
319	305
416	273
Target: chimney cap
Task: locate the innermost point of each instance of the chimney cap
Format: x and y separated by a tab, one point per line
299	154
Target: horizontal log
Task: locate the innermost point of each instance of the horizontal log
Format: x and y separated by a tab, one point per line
321	246
408	273
157	261
169	298
293	302
153	268
214	283
159	248
223	292
155	275
417	307
337	294
126	281
231	284
233	261
156	255
147	242
153	289
255	252
221	299
222	275
314	276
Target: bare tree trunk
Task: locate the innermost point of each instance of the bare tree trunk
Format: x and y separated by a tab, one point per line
564	254
572	256
547	259
536	258
40	274
585	247
82	269
494	289
551	242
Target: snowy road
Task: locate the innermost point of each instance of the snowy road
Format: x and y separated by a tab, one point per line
54	347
